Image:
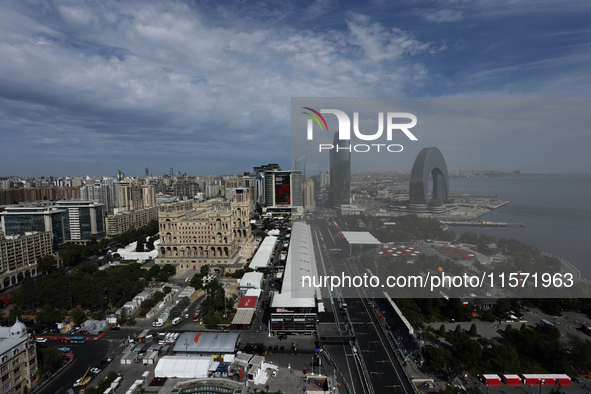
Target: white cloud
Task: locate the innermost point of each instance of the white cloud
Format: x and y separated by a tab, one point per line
443	16
153	72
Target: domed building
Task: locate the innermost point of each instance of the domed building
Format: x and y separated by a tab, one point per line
18	358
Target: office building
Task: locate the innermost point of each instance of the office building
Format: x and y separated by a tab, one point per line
19	220
283	191
85	218
340	172
213	233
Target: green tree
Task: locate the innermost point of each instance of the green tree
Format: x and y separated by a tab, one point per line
71	254
442	330
49	358
166	289
436	358
46	263
507	357
150	244
197	282
154	270
49	316
473	330
204	270
78	316
458	328
140	244
122	319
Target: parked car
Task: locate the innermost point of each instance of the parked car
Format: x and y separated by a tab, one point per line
41	340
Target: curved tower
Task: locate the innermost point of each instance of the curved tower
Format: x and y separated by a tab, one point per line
429	161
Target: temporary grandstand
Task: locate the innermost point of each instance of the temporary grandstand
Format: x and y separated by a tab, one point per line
399	329
206	343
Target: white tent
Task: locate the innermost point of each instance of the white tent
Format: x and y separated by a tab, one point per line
183	367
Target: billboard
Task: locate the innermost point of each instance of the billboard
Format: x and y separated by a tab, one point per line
282	188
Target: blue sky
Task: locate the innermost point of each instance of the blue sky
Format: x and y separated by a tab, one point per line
87	88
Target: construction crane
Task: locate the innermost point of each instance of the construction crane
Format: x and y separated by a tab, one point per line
85	379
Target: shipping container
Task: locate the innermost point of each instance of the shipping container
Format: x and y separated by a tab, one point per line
511	379
491	380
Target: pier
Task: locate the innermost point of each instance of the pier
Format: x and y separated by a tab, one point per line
484	224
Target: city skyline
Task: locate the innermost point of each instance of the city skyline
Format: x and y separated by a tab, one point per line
87	89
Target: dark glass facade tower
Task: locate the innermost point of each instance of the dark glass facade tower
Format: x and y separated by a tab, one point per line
340	172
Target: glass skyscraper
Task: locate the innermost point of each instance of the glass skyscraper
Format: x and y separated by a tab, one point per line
340	172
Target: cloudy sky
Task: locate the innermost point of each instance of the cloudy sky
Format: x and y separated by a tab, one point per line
89	87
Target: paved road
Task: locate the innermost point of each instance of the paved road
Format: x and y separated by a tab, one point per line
384	370
87	354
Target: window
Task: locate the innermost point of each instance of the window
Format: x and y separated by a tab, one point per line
4	368
6	386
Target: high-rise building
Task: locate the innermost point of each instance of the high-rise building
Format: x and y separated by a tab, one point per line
283	190
308	194
429	162
19	220
300	165
105	191
324	179
149	196
255	183
186	189
313	172
130	194
85	218
340	172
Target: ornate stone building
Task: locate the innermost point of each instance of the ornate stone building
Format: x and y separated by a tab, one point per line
18	359
214	233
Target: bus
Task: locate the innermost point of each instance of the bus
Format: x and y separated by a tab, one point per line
543	322
77	340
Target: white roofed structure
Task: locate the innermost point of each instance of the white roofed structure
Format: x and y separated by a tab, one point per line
251	280
262	258
360	238
300	261
183	367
